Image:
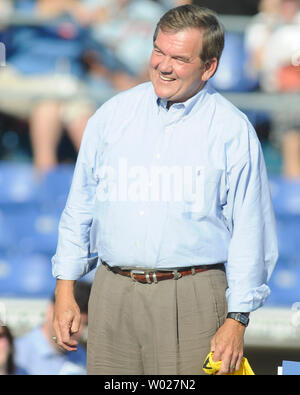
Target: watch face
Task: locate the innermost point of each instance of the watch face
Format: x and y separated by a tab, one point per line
243	319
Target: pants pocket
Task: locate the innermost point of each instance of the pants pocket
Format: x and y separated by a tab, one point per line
219	285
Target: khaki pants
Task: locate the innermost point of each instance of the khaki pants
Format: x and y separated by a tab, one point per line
162	328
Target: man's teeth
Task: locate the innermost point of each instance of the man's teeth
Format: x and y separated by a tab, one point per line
166	78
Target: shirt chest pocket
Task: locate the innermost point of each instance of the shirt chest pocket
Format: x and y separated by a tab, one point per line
206	194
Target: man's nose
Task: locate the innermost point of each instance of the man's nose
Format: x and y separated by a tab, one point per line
165	65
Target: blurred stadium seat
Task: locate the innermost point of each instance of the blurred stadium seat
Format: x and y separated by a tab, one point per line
30	231
20	185
289	236
17	184
285	195
30	208
26	275
285	281
286	201
232	74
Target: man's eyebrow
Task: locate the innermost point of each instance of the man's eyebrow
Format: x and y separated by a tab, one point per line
175	57
157	47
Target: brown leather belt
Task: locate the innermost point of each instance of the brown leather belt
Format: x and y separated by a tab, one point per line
149	276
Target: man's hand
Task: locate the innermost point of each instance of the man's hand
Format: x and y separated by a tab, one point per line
228	346
66	320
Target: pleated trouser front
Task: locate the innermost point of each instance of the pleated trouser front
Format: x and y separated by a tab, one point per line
153	329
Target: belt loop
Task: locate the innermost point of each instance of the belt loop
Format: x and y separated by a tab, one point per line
193	271
132	275
148	278
154	277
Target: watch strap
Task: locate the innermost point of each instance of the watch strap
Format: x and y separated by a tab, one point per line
243	318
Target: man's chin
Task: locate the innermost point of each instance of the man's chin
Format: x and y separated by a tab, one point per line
163	95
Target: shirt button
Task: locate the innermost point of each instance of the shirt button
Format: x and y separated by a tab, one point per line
142	213
157	156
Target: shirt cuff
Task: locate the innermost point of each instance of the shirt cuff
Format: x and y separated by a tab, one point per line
72	269
247	301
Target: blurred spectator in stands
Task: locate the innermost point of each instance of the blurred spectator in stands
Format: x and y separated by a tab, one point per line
258	32
174	3
232	7
36	351
7	362
127	27
273	43
6	8
43	70
278	73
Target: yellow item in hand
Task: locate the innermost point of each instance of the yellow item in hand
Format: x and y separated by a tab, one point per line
212	367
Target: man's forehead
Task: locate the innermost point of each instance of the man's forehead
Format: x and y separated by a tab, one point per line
187	33
187	41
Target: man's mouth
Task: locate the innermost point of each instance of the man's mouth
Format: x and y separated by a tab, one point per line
164	78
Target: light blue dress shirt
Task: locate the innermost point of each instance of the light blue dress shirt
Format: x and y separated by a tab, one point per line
158	188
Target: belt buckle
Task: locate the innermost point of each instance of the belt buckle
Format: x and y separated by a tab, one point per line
176	274
133	272
148	279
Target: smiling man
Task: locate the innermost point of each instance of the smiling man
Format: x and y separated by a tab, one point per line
176	277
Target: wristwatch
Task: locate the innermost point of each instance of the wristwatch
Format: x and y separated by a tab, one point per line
243	318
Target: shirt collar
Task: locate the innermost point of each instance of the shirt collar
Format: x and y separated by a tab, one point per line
189	104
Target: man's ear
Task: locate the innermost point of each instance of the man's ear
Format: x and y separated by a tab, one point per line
210	69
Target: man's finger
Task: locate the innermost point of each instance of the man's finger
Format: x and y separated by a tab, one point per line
76	324
226	364
58	337
232	367
216	356
67	341
65	331
239	362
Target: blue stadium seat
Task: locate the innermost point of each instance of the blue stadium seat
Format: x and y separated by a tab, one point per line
20	185
232	74
56	186
26	275
288	232
30	207
285	283
285	196
7	236
29	230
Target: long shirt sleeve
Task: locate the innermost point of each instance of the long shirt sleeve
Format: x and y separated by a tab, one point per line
74	257
252	251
